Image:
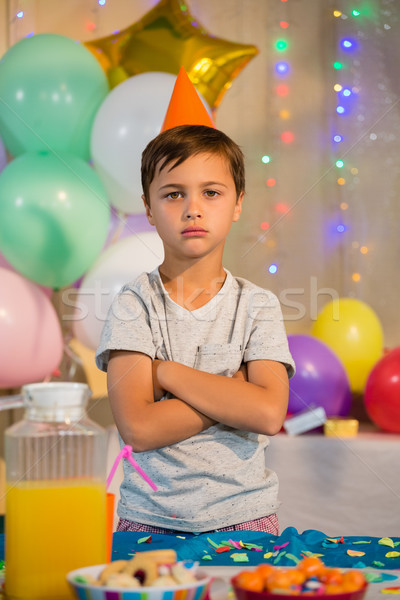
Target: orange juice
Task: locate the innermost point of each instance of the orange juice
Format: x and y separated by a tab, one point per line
52	527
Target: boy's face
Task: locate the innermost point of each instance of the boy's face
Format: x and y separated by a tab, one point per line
193	206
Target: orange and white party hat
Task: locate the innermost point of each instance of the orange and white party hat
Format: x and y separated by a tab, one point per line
185	106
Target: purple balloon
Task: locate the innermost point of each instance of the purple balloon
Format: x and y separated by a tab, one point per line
320	379
122	226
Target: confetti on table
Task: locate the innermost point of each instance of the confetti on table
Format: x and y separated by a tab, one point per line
393	554
386	542
391	590
239	557
223	549
206	557
210	541
282	546
234	543
373	577
145	540
378	563
359	565
278	558
362	542
250	546
355	553
309	553
329	544
292	557
181	537
268	554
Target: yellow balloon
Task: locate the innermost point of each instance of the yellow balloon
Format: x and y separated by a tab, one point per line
353	331
167	38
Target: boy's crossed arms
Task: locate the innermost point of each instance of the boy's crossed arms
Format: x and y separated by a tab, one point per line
255	399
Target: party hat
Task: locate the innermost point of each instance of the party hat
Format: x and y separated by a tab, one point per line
185	106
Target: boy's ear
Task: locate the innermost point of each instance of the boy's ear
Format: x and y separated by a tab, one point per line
238	208
148	210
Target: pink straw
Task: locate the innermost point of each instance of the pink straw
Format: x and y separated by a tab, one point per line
126	452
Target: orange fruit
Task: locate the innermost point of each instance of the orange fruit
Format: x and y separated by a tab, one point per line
279	579
334	588
312	566
331	575
353	581
249	580
265	571
298	577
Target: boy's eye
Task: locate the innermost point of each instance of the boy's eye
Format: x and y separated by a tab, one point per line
211	193
174	195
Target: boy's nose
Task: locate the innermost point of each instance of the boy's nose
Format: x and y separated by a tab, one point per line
192	210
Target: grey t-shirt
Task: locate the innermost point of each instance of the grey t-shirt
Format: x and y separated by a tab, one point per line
218	477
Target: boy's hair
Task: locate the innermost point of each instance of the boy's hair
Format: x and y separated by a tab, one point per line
179	143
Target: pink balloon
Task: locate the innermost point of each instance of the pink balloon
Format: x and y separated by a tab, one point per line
31	343
6	265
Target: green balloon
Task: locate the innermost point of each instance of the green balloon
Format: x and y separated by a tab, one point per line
50	90
54	217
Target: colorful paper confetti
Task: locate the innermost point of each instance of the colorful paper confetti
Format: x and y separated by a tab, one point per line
239	557
278	558
355	553
393	554
386	542
282	546
293	558
223	549
391	590
145	540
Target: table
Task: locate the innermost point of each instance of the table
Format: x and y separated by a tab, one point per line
291	545
338	485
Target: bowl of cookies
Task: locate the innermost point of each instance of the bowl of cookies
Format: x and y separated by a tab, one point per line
153	575
310	578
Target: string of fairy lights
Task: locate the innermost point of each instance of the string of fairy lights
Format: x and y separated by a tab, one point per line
345	108
347	100
282	71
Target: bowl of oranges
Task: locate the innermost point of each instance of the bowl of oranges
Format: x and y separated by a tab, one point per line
310	578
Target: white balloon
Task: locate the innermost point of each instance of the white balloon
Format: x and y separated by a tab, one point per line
120	263
131	115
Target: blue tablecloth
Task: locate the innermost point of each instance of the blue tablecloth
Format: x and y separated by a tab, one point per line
256	547
286	549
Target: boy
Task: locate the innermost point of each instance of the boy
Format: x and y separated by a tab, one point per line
211	346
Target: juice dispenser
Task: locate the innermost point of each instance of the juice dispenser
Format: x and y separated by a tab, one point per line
56	494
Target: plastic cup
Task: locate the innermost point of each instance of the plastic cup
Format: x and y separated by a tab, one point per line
110	523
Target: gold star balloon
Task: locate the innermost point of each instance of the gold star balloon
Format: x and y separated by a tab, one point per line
167	38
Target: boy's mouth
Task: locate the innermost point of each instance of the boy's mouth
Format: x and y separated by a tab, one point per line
194	231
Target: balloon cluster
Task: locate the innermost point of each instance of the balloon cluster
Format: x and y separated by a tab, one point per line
71	213
344	356
54	212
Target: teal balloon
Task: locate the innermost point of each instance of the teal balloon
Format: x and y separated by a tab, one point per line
50	90
54	217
